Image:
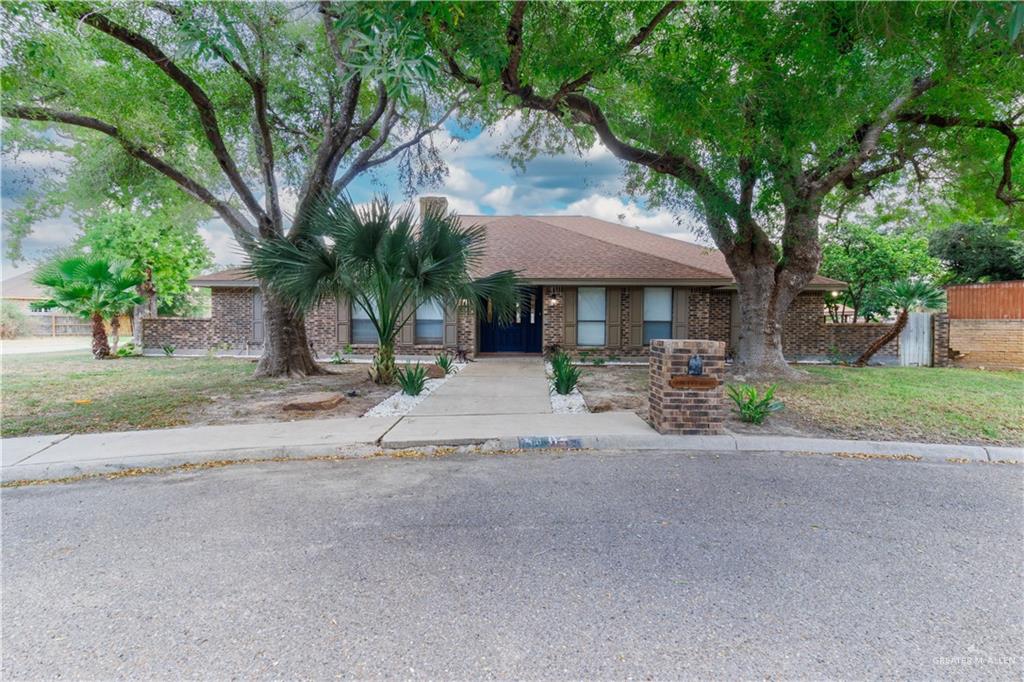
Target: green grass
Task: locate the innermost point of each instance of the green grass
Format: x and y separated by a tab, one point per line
908	403
71	392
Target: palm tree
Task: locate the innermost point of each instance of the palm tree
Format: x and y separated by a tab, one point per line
381	260
92	288
906	295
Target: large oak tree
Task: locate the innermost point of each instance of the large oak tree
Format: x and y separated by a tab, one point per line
755	115
249	108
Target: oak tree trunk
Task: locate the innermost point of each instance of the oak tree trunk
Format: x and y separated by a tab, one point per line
286	350
766	289
100	348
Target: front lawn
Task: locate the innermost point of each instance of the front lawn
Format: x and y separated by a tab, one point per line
875	403
71	392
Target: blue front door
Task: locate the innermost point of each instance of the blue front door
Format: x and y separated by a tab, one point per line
521	335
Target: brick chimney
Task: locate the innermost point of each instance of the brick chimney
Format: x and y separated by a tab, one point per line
435	204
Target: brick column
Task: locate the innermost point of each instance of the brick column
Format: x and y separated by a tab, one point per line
691	410
940	340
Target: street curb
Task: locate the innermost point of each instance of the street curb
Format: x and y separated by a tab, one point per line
740	443
718	444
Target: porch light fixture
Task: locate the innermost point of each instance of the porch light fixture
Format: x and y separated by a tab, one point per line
835	294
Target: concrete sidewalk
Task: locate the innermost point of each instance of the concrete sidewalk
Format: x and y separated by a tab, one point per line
65	455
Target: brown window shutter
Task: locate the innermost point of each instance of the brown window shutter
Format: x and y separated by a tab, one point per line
407	334
451	326
680	312
344	321
613	317
734	322
569	302
259	326
636	316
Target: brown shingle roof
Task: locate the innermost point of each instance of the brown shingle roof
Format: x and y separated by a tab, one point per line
22	287
237	277
574	248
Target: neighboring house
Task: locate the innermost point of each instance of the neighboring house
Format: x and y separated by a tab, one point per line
594	286
21	291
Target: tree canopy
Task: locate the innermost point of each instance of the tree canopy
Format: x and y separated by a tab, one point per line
159	245
869	261
755	114
983	251
255	110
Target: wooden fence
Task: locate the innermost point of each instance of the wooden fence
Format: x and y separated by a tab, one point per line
991	301
58	324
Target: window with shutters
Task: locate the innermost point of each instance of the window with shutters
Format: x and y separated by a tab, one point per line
657	313
363	331
591	316
430	322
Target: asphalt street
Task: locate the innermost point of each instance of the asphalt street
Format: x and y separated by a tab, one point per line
540	565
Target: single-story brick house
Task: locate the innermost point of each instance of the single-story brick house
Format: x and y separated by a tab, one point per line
594	286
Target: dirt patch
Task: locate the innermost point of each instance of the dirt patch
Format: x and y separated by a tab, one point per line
268	403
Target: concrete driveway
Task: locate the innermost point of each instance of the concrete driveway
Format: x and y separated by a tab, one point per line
585	565
47	344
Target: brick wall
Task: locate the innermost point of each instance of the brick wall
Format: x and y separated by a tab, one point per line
231	312
192	333
322	328
710	317
987	343
553	331
466	330
850	340
720	318
940	340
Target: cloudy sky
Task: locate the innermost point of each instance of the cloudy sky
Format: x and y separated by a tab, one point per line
478	182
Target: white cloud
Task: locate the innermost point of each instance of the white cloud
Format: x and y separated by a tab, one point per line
461	182
221	242
615	210
500	198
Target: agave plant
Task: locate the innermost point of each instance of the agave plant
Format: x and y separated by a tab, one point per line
907	295
92	288
386	263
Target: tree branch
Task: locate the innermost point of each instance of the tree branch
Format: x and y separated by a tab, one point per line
821	181
629	46
1004	192
202	103
241	228
366	160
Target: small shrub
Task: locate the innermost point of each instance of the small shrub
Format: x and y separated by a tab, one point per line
598	362
564	374
412	379
754	408
445	362
168	349
613	358
13	322
336	359
584	355
127	350
348	350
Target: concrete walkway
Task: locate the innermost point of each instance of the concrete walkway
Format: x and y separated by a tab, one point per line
491	386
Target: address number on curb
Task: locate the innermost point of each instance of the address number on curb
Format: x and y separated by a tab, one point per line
695	382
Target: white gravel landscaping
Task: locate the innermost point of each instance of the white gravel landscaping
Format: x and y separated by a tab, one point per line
572	403
398	403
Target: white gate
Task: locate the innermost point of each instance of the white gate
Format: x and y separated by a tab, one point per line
916	341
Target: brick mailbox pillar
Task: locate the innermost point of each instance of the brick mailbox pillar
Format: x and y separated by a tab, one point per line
682	404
